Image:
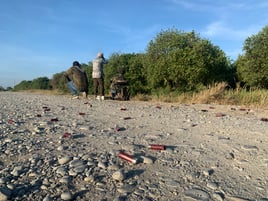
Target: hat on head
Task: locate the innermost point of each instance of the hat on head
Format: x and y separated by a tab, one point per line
76	63
100	54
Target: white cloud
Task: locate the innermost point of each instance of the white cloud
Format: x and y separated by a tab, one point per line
203	5
225	31
132	39
220	6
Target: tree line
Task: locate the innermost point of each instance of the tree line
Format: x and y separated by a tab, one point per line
178	62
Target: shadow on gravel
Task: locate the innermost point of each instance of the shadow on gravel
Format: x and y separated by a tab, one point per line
171	147
80	194
76	136
133	173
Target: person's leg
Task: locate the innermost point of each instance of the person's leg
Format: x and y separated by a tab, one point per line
113	90
96	85
84	94
101	83
72	88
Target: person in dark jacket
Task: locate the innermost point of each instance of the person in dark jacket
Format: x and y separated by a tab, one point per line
77	80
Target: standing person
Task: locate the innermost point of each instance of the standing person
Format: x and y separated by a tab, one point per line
98	76
77	80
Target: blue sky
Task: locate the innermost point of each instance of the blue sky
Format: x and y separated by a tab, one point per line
43	37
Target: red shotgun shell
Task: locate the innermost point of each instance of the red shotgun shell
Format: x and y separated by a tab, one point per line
54	119
264	119
157	147
66	135
220	115
127	157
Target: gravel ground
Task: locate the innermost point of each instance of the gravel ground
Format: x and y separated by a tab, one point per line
56	148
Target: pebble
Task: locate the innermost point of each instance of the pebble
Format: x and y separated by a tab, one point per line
126	189
62	171
66	195
217	197
147	160
5	193
65	179
172	183
76	163
47	198
119	175
234	198
2	180
212	185
197	194
89	179
64	160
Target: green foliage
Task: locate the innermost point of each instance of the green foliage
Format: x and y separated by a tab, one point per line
164	61
59	82
9	89
38	83
115	62
136	75
132	65
23	85
252	66
178	61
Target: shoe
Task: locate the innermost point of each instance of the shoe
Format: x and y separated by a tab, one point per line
75	97
98	97
84	94
102	98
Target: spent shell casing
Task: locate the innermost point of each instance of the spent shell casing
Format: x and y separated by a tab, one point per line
127	157
157	147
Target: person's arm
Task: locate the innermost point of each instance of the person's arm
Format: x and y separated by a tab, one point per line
67	77
104	61
67	74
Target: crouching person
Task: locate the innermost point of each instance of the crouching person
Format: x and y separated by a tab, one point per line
119	86
77	80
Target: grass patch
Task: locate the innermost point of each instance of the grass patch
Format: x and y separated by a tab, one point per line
45	92
215	94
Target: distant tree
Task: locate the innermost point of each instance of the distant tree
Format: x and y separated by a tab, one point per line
41	83
59	82
23	85
2	88
252	66
179	61
116	63
132	65
38	83
136	74
9	88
